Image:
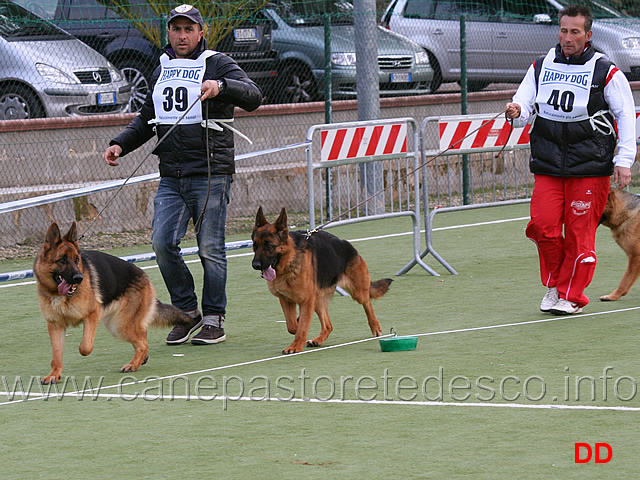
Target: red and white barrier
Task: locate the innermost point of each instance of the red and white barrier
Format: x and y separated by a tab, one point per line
482	133
485	133
355	142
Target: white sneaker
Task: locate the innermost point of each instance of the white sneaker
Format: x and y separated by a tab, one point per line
565	307
549	300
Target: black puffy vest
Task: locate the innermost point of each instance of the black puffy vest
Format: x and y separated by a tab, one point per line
574	149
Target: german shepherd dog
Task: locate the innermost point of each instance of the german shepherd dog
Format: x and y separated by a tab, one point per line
304	270
622	216
85	287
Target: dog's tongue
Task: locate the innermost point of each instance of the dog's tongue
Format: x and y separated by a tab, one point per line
64	287
269	274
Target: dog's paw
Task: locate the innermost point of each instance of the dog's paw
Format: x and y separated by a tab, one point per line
291	349
608	298
313	343
50	380
128	368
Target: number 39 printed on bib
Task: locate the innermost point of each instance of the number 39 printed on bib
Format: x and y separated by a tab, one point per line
178	87
563	90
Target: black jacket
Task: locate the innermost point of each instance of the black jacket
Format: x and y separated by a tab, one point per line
574	149
183	152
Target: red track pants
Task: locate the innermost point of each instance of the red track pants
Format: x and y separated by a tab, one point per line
567	261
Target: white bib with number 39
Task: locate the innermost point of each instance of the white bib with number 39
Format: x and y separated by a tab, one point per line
178	87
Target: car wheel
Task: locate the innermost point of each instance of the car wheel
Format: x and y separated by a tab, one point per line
436	82
17	102
296	84
138	74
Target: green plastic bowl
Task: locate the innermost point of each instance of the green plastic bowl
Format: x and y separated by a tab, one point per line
398	344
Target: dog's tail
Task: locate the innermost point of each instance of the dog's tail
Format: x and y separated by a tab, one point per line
169	316
379	288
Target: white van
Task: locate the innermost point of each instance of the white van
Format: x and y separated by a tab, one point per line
503	37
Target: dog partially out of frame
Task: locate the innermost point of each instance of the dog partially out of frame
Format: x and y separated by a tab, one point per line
622	216
85	287
303	270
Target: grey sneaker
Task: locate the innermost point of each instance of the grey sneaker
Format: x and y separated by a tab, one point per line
209	335
181	333
549	300
565	307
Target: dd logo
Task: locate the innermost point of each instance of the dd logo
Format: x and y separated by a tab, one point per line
590	452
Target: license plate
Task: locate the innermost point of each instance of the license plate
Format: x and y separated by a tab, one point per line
404	77
107	98
245	34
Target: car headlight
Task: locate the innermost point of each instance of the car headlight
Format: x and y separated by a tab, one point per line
631	42
55	75
422	58
343	59
116	75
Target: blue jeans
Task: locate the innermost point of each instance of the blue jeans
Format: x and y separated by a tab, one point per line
177	201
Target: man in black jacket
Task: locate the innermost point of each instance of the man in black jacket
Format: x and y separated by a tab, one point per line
196	165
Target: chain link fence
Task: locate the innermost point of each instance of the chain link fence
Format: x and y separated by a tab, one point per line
101	72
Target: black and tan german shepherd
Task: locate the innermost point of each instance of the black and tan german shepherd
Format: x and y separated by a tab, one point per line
622	216
304	270
85	287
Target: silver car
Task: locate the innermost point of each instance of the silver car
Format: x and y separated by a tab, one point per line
503	37
298	37
45	72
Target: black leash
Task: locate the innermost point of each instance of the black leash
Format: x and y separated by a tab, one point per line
499	154
173	127
198	222
423	164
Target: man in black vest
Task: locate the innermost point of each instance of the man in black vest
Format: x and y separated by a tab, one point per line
196	174
572	96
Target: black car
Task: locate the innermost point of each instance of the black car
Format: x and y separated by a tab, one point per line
137	56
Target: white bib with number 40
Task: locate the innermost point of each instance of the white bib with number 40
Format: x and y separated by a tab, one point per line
563	89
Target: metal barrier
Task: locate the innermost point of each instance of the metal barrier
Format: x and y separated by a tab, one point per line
142	257
104	187
354	162
461	135
474	134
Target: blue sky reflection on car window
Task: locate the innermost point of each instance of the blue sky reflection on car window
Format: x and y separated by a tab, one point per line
312	13
17	23
599	8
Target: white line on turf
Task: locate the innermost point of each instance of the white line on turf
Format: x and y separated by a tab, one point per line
315	350
228	398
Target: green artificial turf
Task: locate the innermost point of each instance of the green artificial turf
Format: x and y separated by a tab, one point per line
481	397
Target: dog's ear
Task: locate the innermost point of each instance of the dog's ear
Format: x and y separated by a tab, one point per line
53	235
260	219
72	234
281	224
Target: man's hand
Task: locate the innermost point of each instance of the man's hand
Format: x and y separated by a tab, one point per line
621	176
209	89
111	155
512	110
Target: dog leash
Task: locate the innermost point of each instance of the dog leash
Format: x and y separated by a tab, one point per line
173	127
423	164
